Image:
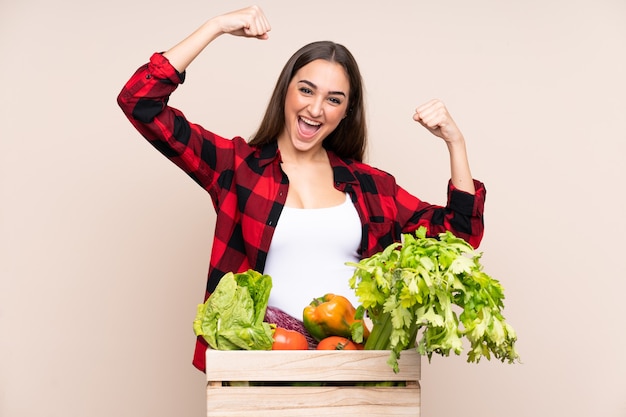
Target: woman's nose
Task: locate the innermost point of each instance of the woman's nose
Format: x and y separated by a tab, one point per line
316	107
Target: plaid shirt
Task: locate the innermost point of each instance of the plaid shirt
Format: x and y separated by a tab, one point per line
249	189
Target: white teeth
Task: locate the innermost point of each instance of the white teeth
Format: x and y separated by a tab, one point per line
310	122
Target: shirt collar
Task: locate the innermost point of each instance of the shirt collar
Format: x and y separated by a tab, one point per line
342	171
268	153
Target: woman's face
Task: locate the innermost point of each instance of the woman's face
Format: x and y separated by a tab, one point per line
315	103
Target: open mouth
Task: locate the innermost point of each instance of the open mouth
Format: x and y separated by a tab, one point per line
308	127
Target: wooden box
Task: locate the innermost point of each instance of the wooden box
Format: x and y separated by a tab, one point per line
342	392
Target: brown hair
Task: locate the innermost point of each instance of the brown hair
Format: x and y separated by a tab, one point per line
349	139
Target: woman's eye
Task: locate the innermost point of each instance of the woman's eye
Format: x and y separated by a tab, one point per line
335	100
305	90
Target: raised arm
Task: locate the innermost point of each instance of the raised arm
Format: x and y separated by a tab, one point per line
435	117
145	96
248	22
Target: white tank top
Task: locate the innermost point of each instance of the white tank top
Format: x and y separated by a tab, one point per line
308	253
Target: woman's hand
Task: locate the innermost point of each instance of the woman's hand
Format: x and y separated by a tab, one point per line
249	22
434	116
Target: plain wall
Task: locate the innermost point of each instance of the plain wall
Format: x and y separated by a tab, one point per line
104	244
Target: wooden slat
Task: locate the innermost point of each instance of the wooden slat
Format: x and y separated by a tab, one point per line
313	401
347	399
310	365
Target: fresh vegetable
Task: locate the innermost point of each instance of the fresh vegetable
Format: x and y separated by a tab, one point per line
274	315
420	285
332	315
289	340
338	343
232	317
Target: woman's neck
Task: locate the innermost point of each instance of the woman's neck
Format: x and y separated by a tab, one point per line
289	154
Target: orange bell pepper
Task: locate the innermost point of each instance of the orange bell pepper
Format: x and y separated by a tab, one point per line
331	315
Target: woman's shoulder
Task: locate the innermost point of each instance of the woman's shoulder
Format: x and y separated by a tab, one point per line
253	155
363	168
368	176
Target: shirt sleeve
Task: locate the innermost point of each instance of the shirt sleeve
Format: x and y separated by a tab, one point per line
144	101
462	215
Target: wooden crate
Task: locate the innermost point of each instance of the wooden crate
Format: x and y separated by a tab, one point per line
341	372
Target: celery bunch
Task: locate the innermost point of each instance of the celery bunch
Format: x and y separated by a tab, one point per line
433	289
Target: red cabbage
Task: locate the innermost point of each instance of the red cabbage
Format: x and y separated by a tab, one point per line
274	315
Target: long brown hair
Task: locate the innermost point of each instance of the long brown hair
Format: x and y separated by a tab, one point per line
349	139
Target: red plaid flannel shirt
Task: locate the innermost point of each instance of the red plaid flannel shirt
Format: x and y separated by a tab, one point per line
249	189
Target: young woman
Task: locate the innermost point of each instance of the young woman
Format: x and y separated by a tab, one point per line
297	202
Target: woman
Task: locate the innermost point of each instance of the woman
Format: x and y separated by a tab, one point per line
296	202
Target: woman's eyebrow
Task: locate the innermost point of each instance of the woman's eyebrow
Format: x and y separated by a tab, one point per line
312	85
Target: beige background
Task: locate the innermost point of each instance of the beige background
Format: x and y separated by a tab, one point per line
104	244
